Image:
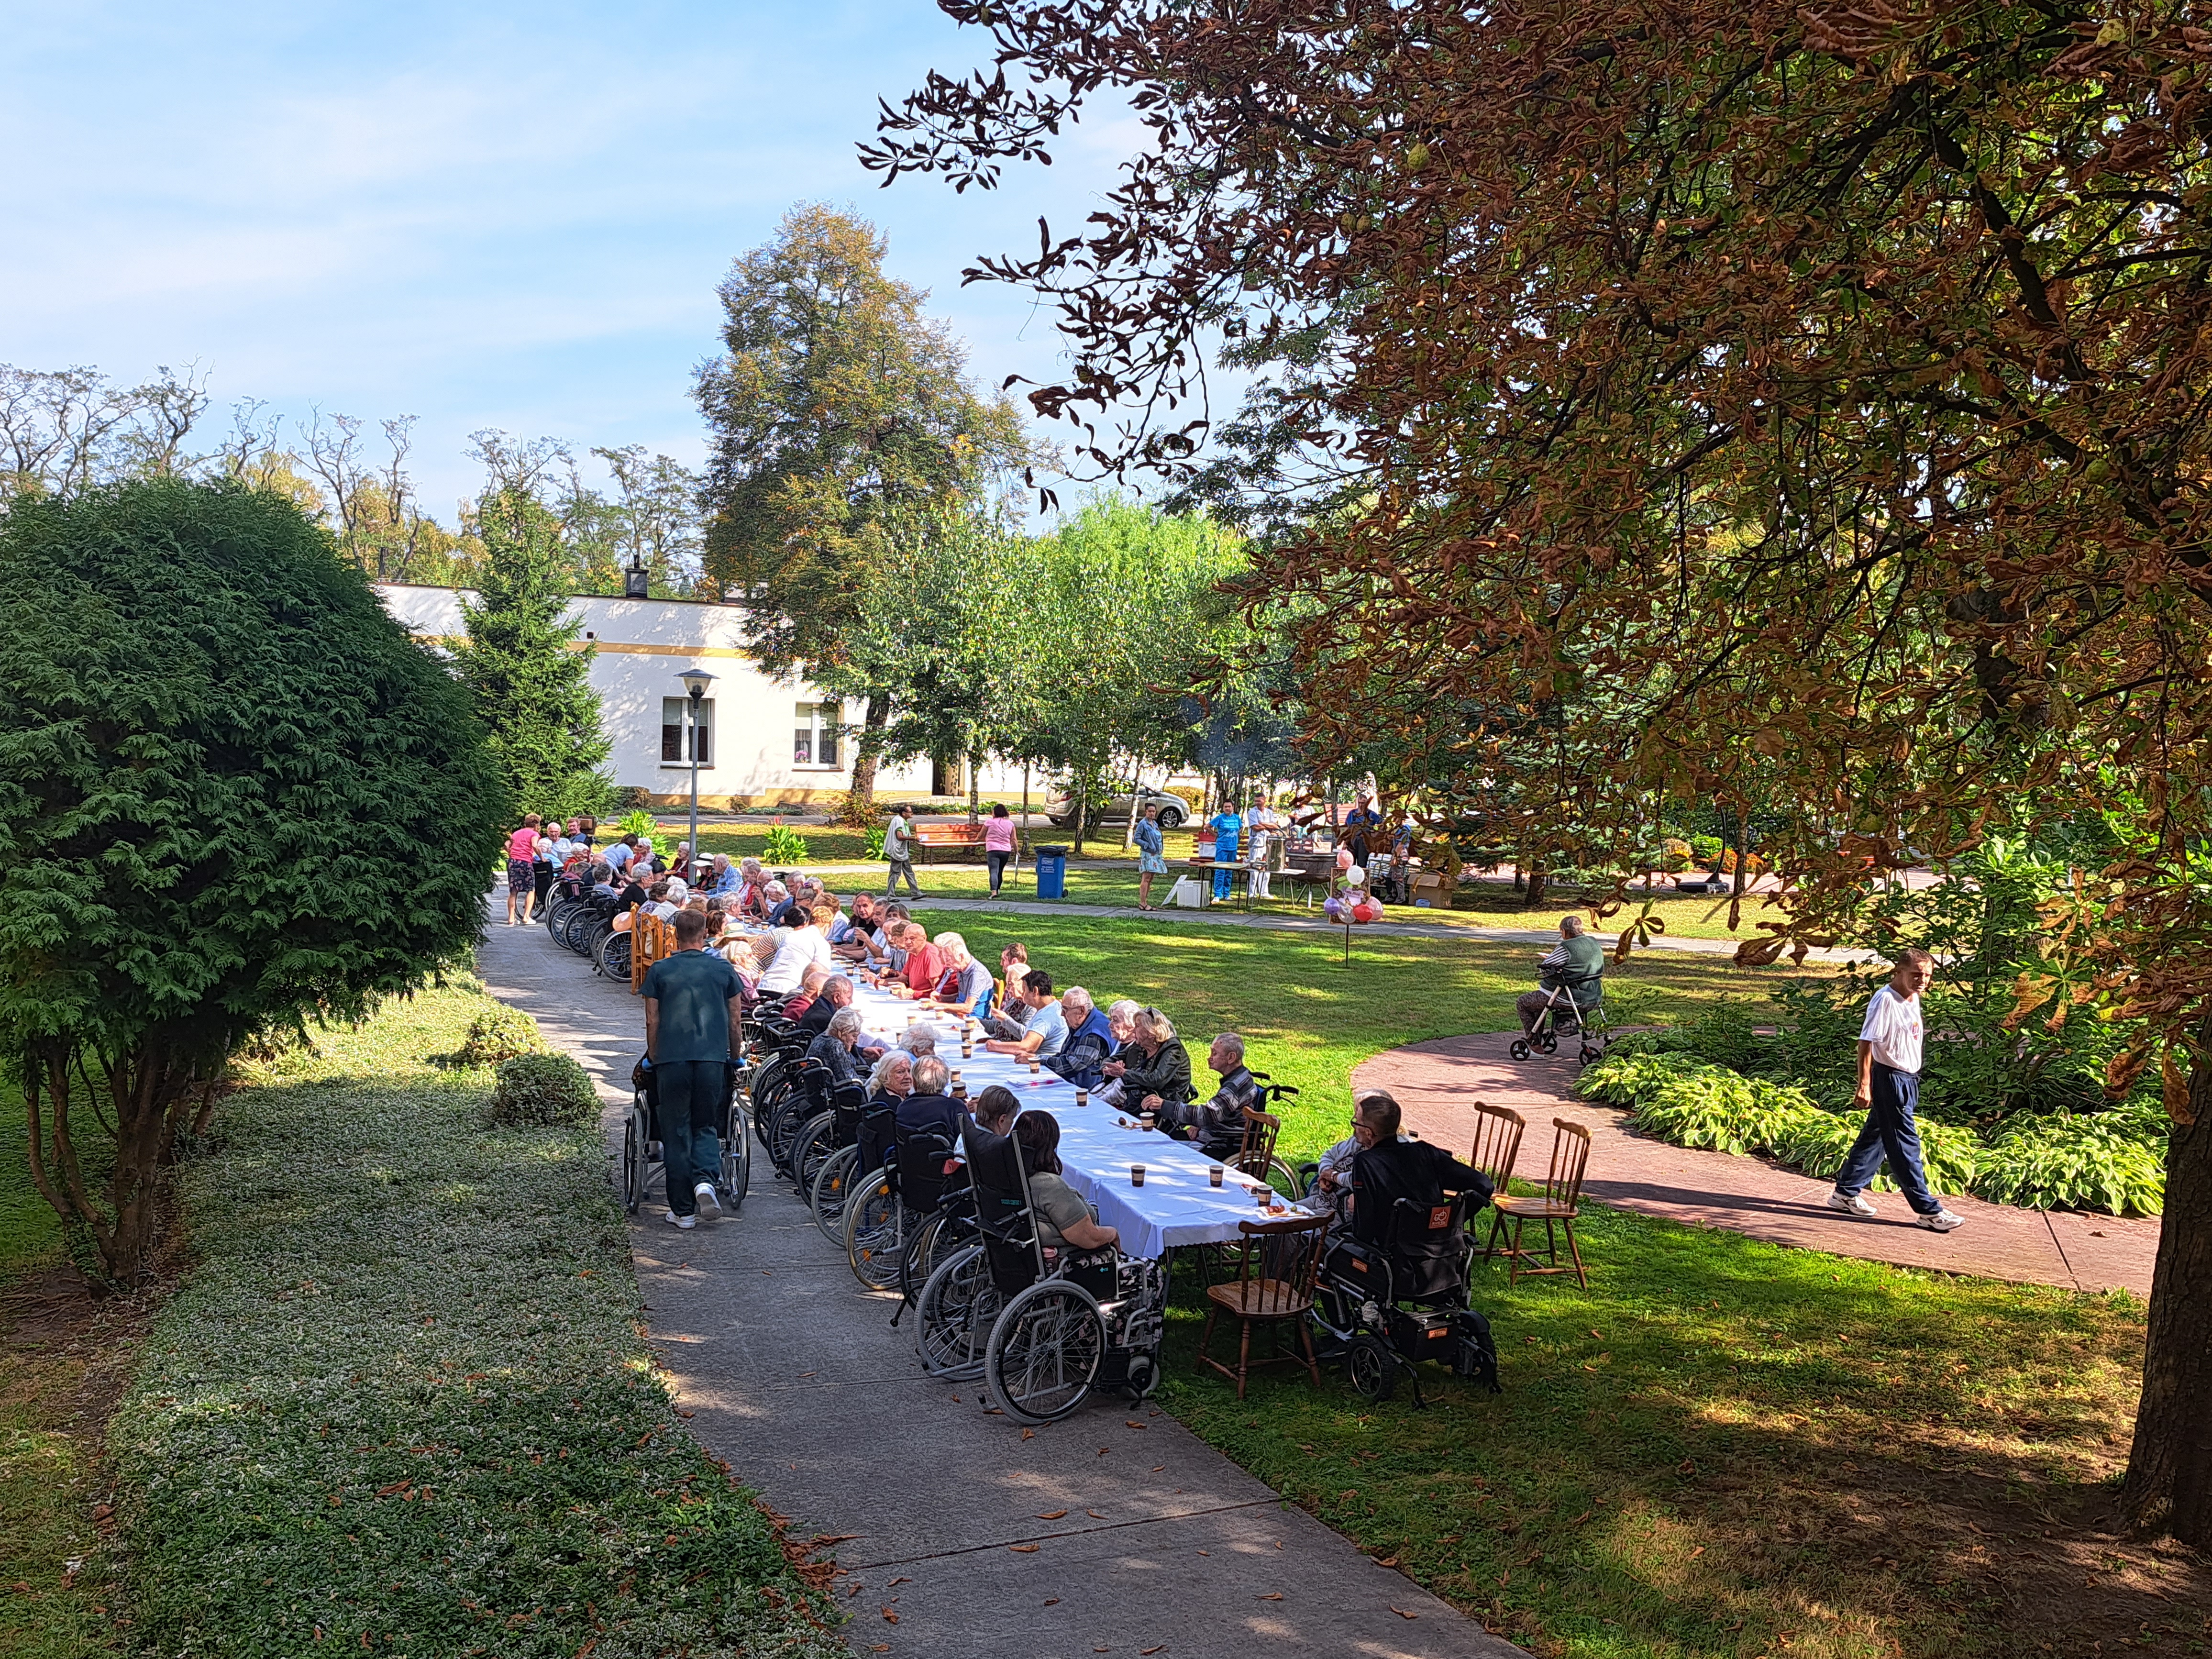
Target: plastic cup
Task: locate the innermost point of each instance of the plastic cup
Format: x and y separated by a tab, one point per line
1033	1068
1263	1196
1214	1174
1144	1120
1083	1096
1136	1175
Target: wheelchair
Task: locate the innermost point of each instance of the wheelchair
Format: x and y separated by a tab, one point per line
642	1150
833	1122
851	1167
1563	1016
1384	1307
1042	1333
909	1210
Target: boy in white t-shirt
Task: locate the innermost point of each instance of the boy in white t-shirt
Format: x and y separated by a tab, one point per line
1889	1092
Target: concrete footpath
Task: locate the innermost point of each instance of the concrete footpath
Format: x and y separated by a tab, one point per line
960	1534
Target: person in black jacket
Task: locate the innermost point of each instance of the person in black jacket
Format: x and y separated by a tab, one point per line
1217	1125
1387	1169
1154	1068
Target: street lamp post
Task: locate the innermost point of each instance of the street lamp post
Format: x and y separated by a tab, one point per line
696	682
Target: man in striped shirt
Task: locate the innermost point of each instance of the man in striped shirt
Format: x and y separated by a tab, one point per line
1576	963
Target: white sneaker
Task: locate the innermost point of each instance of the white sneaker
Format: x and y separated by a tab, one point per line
705	1193
686	1222
1855	1204
1942	1221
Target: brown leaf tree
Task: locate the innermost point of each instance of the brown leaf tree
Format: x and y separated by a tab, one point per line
1830	384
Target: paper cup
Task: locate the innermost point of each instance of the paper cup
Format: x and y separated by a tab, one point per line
1083	1096
1214	1174
1263	1196
1136	1175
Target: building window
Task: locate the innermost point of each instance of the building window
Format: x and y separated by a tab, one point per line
672	722
815	741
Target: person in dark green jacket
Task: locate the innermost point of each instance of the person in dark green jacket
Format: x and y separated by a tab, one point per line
1578	963
1155	1065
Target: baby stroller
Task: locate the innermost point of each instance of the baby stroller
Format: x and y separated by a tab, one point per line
1564	1017
1385	1306
1047	1331
642	1153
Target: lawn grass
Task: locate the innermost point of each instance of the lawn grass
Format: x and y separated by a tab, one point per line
1730	1448
1306	1017
402	1403
51	1386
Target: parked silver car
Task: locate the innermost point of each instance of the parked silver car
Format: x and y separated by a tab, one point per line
1174	809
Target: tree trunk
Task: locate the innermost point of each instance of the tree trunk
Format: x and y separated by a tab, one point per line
1742	856
975	787
1136	799
873	725
2169	1481
1538	876
1082	814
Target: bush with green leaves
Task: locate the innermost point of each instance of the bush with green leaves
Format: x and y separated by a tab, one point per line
785	845
2068	1161
1717	1110
499	1033
637	822
214	736
871	844
1635	1068
544	1090
1818	1142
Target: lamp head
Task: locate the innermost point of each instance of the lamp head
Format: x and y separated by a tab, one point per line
696	682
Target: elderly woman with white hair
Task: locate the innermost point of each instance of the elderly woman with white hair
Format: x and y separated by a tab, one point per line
964	984
834	1047
1154	1068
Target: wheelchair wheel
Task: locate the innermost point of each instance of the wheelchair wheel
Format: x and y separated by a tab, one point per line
783	1135
1368	1363
613	957
931	1246
814	1146
833	1184
1519	1049
954	1316
634	1158
1285	1178
875	1233
736	1158
1044	1351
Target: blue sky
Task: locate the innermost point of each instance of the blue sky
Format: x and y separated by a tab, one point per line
483	215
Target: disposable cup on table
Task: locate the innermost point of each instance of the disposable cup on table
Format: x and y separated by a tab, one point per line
1136	1175
1214	1174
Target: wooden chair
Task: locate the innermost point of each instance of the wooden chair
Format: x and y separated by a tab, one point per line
1560	1203
1497	1132
1257	1154
1277	1265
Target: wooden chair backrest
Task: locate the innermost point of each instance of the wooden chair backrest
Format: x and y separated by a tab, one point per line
650	939
1260	1129
1497	1132
1288	1252
1571	1150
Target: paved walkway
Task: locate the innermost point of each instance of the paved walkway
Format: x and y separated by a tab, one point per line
1115	1531
1438	1082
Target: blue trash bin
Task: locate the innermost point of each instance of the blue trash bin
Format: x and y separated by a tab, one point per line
1052	873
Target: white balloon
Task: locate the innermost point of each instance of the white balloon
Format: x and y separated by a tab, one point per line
1356	876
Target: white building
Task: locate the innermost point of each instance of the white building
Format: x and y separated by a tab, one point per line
764	742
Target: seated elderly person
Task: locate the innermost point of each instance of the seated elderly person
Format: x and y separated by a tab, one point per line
601	880
773	897
1121	1021
1009	1013
1044	1033
798	902
930	1105
1577	964
918	1041
724	878
834	1048
1217	1125
852	937
1389	1168
964	984
891	1079
752	890
1090	1042
811	981
1153	1067
836	992
1064	1221
921	964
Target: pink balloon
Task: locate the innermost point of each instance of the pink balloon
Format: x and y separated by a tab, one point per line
1344	858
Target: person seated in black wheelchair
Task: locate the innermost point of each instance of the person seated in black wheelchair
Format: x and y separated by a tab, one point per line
1217	1125
1394	1293
928	1106
1064	1221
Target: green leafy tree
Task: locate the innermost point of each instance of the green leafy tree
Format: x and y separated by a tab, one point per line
212	738
837	402
522	664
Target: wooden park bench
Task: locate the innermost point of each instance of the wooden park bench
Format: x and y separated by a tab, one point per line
955	837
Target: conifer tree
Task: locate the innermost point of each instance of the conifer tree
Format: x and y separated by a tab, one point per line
522	664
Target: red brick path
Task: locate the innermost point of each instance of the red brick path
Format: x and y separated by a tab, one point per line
1436	1083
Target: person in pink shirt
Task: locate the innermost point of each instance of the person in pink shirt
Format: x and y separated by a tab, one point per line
998	844
522	869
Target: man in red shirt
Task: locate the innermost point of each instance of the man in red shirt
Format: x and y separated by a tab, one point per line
925	962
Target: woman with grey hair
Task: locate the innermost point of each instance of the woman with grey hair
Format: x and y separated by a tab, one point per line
1155	1065
892	1079
834	1047
965	984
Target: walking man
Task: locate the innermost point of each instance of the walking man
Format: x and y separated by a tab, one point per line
898	848
691	1012
1889	1094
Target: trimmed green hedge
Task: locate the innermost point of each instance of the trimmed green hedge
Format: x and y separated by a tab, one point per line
401	1404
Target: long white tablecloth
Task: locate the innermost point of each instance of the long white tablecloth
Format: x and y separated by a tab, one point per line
1176	1205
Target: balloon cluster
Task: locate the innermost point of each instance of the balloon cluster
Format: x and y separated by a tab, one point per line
1355	903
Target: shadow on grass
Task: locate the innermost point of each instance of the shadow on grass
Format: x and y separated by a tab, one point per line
1724	1447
